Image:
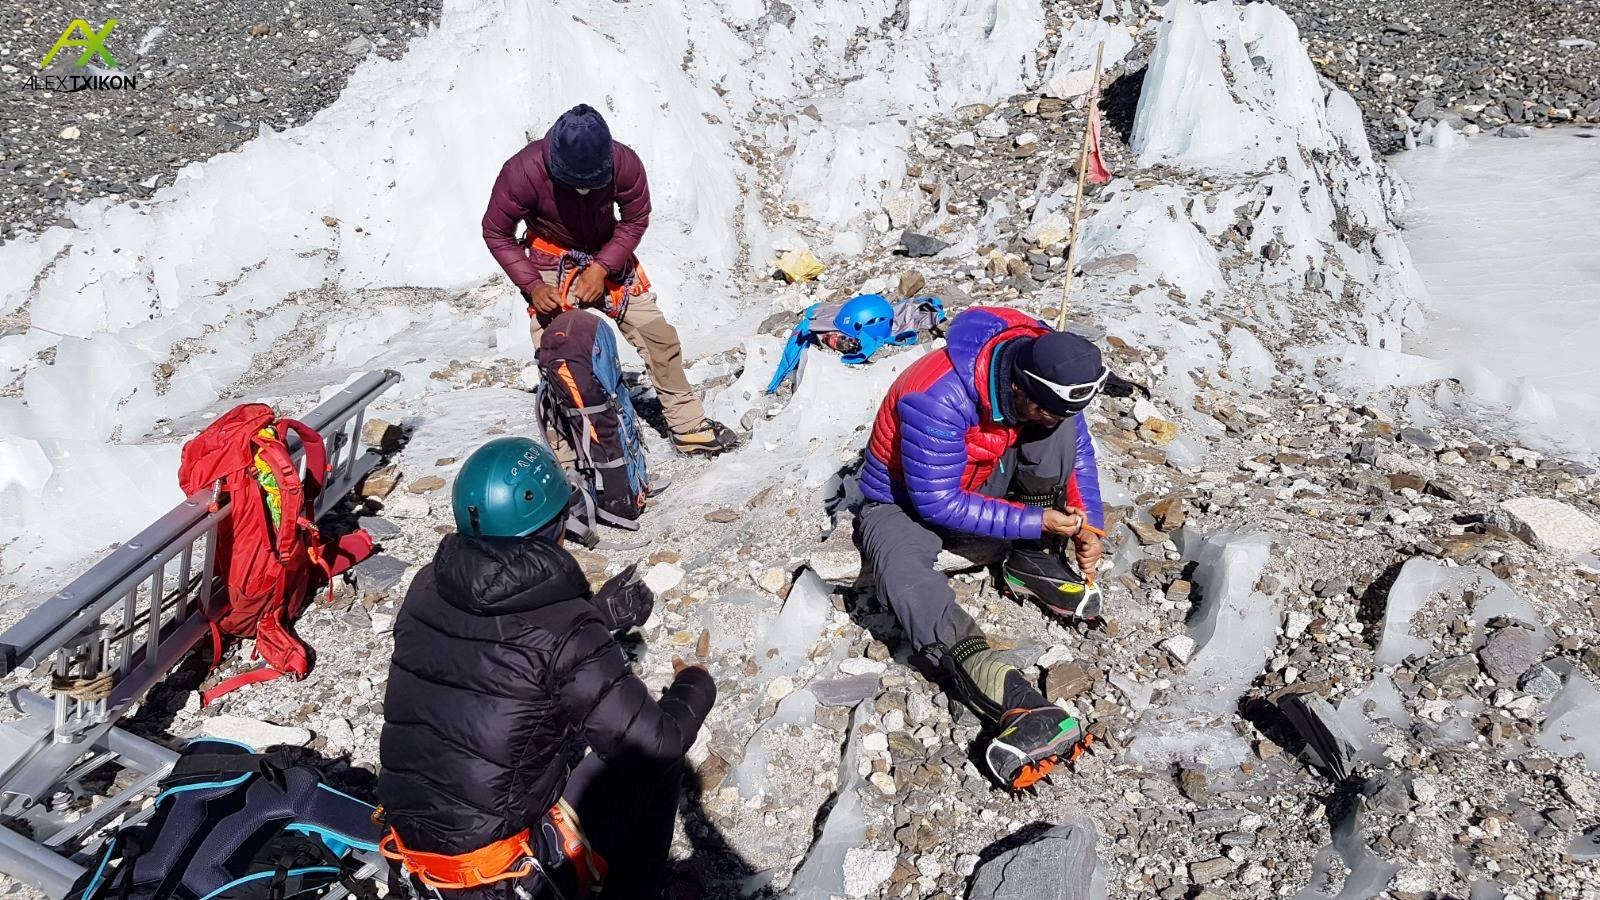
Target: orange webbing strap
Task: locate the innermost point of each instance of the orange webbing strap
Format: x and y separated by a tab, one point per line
1088	577
502	860
571	385
314	551
617	291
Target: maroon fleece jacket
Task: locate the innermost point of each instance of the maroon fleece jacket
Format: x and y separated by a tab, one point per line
587	222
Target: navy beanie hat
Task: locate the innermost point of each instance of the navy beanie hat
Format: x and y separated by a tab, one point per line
1059	358
578	148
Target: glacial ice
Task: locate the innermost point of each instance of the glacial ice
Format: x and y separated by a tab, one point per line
1513	259
386	188
750	775
1421	579
1234	631
796	627
823	872
1571	727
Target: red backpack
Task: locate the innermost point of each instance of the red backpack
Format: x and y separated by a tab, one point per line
268	548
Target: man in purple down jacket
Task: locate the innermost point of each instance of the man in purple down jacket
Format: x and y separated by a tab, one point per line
986	439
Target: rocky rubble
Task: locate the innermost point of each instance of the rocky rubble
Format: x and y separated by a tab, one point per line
1475	66
208	77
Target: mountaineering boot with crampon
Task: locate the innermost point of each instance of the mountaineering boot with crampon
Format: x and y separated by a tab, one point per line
1043	574
1025	750
710	439
1030	743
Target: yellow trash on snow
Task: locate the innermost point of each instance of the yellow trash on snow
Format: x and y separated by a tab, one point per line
799	265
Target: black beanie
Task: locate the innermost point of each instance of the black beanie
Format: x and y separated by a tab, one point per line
1059	358
578	148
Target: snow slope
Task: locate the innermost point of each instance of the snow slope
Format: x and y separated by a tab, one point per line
151	312
1504	234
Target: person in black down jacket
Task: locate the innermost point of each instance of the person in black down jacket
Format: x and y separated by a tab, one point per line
505	671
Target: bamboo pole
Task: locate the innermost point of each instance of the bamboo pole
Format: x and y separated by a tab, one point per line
1077	203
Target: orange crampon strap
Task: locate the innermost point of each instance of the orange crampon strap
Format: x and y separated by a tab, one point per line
633	282
502	860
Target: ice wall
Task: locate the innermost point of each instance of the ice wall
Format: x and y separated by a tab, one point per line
1276	195
1571	727
1422	580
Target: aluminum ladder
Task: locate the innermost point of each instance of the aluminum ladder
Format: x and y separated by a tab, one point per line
107	639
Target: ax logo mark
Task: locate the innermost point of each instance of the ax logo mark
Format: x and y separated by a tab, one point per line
93	43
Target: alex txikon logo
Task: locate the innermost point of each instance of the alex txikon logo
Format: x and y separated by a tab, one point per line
92	48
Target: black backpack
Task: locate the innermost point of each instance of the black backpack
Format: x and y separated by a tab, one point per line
233	824
582	399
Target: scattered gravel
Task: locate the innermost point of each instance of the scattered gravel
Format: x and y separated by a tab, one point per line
1486	64
208	76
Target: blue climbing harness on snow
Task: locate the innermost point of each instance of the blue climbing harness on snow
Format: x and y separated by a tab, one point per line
869	320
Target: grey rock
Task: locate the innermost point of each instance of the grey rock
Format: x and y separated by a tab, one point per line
1365	452
847	691
1057	865
1508	653
1110	264
1540	681
358	46
378	574
1549	525
1217	819
1389	793
1416	437
380	528
1209	870
917	245
1452	676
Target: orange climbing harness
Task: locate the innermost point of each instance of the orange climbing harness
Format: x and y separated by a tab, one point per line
504	860
631	283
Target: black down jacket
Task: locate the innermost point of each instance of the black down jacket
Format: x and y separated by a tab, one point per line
502	673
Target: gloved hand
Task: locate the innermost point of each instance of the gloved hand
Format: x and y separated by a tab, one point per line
624	601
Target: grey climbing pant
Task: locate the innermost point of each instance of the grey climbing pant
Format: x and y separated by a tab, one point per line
903	550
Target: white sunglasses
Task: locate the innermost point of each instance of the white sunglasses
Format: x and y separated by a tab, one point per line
1075	393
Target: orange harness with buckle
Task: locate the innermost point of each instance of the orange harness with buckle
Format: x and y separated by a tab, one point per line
569	263
504	860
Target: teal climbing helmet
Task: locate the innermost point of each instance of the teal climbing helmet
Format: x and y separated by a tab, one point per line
509	487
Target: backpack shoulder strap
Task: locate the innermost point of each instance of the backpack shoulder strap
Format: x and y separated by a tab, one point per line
316	454
339	817
291	495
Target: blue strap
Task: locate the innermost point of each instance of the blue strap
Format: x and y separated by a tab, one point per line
799	337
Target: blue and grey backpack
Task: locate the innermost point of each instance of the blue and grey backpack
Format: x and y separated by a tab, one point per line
583	402
233	824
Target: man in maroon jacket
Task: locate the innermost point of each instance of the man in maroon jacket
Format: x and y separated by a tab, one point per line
569	187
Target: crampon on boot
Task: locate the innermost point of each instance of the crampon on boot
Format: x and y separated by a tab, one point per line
1045	575
710	439
1032	734
1030	743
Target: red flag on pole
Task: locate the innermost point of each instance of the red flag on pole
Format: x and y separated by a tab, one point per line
1098	172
